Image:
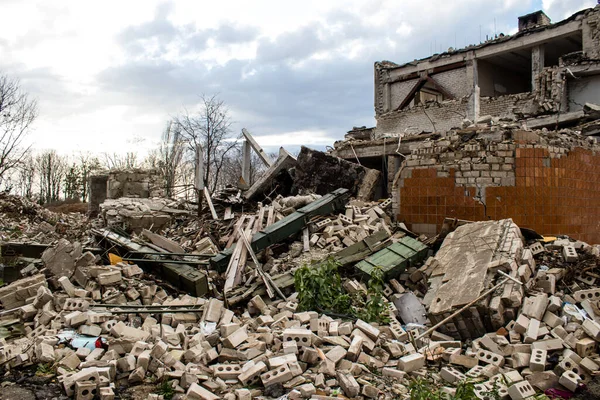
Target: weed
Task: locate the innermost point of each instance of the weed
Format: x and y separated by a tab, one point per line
422	389
166	389
45	369
319	288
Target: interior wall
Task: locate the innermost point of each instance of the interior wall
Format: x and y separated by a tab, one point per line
495	80
583	90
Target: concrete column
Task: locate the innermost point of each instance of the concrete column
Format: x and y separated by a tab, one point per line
246	162
474	101
387	97
537	65
589	34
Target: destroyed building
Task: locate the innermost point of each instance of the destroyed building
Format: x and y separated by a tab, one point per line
465	133
311	283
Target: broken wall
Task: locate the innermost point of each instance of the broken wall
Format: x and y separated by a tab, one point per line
140	183
321	173
547	181
430	117
583	90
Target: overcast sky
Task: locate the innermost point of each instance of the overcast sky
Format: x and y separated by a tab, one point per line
109	74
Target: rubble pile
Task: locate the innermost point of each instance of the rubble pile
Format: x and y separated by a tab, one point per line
135	214
24	220
137	330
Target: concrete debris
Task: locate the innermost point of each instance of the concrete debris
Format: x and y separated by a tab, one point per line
137	214
136	330
199	307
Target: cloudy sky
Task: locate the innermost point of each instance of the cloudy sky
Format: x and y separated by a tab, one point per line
109	74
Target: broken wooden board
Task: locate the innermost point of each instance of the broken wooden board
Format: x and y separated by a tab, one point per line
282	281
288	226
163	242
396	258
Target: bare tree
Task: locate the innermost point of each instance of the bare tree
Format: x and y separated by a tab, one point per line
25	176
232	167
17	113
168	158
51	171
210	131
128	160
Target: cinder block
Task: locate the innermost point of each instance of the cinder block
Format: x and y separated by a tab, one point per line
490	358
569	254
393	373
251	375
302	337
570	380
411	362
521	324
589	366
475	372
85	390
278	375
106	393
521	390
236	338
452	375
198	392
348	384
592	329
537	362
532	331
585	347
226	371
368	329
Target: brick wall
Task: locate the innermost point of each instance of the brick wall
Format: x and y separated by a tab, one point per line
555	191
445	116
509	106
399	91
455	82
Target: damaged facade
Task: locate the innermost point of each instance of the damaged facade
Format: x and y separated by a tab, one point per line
463	133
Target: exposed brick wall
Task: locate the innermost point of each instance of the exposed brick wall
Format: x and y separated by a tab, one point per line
509	106
555	192
399	91
455	82
445	116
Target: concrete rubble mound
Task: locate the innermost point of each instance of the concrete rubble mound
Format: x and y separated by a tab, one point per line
324	294
502	310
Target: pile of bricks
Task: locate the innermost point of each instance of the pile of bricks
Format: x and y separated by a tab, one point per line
358	222
269	348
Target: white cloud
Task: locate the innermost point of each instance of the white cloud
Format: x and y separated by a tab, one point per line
106	72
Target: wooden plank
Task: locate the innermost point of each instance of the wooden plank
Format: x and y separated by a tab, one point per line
228	214
232	267
254	144
234	234
268	287
258	225
306	239
163	242
244	252
210	204
270	216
